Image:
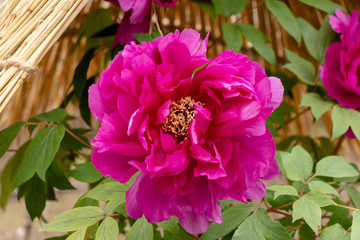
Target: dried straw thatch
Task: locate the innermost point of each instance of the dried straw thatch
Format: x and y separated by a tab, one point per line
29	29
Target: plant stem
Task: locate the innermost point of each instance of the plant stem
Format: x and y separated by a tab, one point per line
273	209
77	138
292	119
347	207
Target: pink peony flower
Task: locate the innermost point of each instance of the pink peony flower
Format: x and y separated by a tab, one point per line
136	18
196	137
341	72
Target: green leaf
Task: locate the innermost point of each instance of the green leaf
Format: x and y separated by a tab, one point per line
86	172
84	101
335	166
74	219
326	36
306	233
40	153
72	143
319	198
309	210
143	37
355	227
108	230
35	197
259	41
285	17
311	37
97	20
334	232
80	77
342	119
353	194
208	6
317	104
107	191
324	5
171	225
232	36
232	217
298	165
57	115
302	68
8	175
227	8
259	226
56	178
8	135
141	230
78	235
283	190
320	186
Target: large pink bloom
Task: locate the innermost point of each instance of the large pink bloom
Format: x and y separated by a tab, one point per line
196	137
341	72
136	18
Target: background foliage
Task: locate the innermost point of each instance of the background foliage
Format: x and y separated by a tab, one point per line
310	203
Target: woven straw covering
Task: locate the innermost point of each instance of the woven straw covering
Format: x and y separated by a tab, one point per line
30	44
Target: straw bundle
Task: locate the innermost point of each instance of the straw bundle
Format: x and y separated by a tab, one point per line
28	30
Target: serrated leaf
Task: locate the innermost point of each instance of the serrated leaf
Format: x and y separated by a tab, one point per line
302	68
78	235
8	135
259	226
353	194
208	6
285	17
40	153
232	36
74	219
107	191
355	227
227	8
324	5
317	104
342	119
57	115
319	198
259	41
336	167
283	190
309	210
108	230
334	232
232	217
171	225
35	197
320	186
298	165
56	178
141	230
86	172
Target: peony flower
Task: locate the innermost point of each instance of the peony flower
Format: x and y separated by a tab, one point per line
341	72
195	136
136	18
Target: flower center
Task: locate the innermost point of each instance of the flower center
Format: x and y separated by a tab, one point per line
182	112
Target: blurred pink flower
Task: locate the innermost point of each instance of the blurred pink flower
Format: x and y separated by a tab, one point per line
196	137
136	18
341	72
